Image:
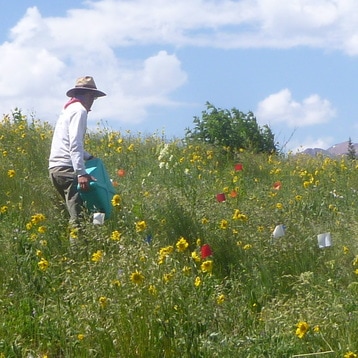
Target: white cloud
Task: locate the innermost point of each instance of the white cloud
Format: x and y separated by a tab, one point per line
44	55
281	108
218	23
309	142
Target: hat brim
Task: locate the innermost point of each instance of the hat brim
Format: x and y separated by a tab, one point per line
72	92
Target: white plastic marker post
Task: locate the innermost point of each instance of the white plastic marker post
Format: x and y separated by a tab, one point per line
98	218
279	231
324	240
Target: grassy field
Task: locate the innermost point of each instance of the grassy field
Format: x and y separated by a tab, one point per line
146	283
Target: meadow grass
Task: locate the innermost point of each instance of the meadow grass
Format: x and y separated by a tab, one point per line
138	285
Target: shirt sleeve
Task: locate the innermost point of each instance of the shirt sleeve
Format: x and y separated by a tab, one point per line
77	131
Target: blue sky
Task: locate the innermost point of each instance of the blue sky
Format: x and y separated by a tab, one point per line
294	64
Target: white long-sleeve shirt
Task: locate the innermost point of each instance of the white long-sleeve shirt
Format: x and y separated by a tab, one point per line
67	148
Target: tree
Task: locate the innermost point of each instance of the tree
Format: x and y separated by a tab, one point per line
351	154
233	129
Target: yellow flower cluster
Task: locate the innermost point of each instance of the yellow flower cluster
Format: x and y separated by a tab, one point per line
140	226
164	253
43	264
182	244
239	216
116	235
97	256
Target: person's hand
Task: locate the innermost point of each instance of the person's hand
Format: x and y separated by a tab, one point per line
84	181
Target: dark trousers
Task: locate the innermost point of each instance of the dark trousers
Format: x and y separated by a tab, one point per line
65	181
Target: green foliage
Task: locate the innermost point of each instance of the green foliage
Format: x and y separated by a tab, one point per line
137	286
233	129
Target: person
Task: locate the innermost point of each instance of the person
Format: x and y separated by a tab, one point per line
67	157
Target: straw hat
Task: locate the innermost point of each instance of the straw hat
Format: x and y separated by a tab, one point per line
85	84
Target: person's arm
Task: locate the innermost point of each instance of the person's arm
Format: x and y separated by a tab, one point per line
77	131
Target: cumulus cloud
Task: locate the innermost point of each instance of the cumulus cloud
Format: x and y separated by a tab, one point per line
43	55
281	108
309	142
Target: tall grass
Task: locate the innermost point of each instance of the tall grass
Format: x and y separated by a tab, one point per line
137	286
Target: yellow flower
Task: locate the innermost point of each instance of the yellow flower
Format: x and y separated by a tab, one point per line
11	173
207	266
140	226
167	277
316	329
43	264
131	147
306	184
302	328
279	206
204	221
41	229
224	224
116	200
345	250
74	233
186	270
182	245
350	355
197	281
195	256
116	235
37	218
152	290
238	216
355	261
103	301
3	209
165	252
137	277
298	197
116	283
247	247
220	299
97	256
80	337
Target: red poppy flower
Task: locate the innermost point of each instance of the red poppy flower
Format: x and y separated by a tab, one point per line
220	197
206	251
121	172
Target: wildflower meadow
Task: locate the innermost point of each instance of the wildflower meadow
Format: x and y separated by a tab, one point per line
206	253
